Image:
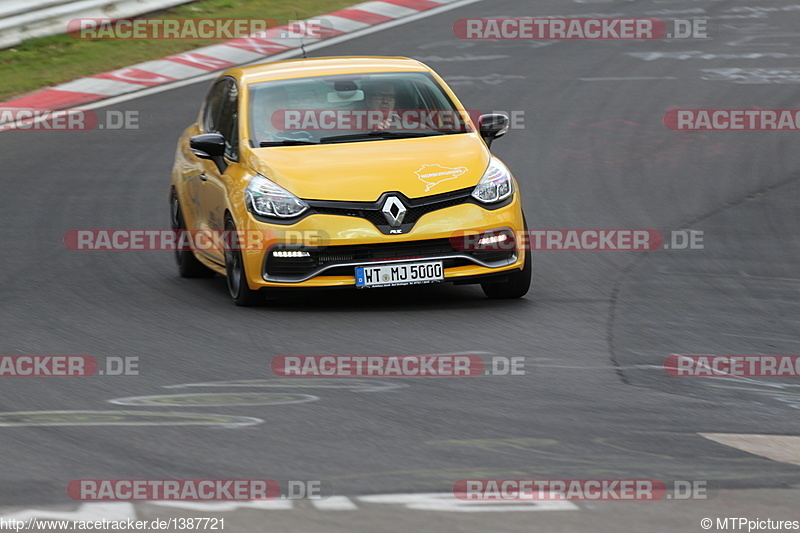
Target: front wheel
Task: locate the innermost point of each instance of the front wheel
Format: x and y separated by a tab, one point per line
241	293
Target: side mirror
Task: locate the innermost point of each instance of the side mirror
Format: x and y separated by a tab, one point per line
492	126
209	146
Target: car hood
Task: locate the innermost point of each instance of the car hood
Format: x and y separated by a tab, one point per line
362	171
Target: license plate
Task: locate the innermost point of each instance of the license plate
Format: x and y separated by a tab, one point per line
395	274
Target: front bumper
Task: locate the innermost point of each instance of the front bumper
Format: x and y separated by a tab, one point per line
336	245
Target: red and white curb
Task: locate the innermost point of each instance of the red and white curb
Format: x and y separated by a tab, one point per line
203	61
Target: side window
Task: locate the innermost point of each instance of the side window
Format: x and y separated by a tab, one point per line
229	121
213	105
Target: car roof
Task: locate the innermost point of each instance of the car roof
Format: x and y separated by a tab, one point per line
301	68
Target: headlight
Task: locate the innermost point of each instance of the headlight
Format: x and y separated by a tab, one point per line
495	185
271	200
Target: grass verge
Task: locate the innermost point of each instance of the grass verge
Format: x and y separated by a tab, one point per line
48	61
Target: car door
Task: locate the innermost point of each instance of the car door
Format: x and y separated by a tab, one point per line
222	117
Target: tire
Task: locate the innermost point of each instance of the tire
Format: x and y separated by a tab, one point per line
517	284
241	293
188	265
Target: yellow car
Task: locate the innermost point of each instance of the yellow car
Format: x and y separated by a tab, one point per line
361	172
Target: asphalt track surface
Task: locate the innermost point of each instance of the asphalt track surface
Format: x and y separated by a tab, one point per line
595	329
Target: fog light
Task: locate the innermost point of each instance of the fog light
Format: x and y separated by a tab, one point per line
290	253
495	239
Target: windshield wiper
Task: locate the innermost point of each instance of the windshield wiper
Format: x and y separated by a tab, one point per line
285	142
378	135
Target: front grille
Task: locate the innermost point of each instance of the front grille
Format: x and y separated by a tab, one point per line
416	208
375	216
415	213
371	215
293	268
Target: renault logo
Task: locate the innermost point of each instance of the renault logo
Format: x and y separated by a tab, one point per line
394	211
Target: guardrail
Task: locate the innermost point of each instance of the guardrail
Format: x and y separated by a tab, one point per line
23	19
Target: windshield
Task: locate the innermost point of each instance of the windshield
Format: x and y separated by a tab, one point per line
353	108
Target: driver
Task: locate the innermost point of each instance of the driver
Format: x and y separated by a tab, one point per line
382	96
